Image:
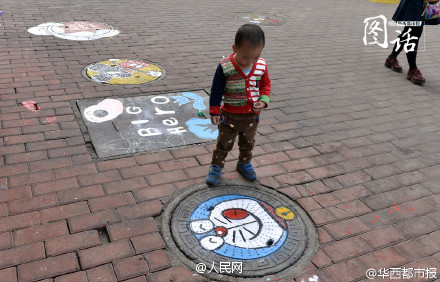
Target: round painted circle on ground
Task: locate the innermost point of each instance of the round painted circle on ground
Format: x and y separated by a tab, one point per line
257	229
124	72
261	19
75	30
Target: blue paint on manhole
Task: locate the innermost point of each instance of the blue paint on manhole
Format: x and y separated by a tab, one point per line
259	228
239	227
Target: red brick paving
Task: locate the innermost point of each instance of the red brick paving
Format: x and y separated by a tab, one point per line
355	144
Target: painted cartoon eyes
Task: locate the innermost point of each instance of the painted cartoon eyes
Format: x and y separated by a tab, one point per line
235	214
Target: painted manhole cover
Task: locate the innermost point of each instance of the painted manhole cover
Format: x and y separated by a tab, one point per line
239	230
262	20
128	125
75	30
124	72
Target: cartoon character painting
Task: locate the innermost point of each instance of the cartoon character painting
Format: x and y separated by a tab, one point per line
117	71
137	124
105	110
75	30
240	227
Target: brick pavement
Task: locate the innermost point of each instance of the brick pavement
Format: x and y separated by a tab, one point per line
354	143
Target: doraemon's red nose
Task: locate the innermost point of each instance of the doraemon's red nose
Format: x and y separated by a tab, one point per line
221	231
235	213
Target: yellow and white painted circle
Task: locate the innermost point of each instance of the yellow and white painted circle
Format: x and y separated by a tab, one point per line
124	72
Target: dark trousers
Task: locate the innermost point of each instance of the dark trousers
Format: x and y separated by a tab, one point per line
416	31
231	125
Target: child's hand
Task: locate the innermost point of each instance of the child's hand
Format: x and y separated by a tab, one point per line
215	120
258	106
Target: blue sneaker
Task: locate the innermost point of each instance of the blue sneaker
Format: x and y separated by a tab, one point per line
213	176
247	171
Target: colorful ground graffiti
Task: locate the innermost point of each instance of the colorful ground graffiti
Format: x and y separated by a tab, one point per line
130	125
262	20
239	227
75	30
124	72
258	228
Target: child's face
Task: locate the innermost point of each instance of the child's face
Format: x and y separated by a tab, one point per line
247	55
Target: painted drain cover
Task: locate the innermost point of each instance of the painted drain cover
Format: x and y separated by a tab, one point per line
74	30
262	20
124	72
254	231
128	125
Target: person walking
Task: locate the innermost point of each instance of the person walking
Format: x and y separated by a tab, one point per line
410	11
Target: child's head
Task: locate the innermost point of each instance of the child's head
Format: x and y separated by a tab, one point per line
249	43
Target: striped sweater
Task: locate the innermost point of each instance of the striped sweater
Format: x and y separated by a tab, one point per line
240	92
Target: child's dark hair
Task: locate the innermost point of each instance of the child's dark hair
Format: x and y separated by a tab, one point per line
250	33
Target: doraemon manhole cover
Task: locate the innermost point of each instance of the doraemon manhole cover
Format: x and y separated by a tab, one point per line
246	231
124	72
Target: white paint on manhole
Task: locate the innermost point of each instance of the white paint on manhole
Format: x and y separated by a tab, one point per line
75	30
260	229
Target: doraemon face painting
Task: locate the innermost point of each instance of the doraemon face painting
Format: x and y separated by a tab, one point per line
240	227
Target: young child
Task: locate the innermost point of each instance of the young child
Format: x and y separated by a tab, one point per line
243	80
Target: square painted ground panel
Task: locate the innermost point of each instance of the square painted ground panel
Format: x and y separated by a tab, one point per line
128	125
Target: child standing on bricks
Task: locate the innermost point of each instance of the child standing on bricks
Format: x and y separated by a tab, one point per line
243	82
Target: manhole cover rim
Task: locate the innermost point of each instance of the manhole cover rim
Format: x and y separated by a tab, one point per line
183	258
164	73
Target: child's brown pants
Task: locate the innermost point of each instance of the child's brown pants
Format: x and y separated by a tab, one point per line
231	124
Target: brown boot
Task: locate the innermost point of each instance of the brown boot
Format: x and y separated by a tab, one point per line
416	77
393	63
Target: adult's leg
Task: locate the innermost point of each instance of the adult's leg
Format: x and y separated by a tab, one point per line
416	31
398	47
